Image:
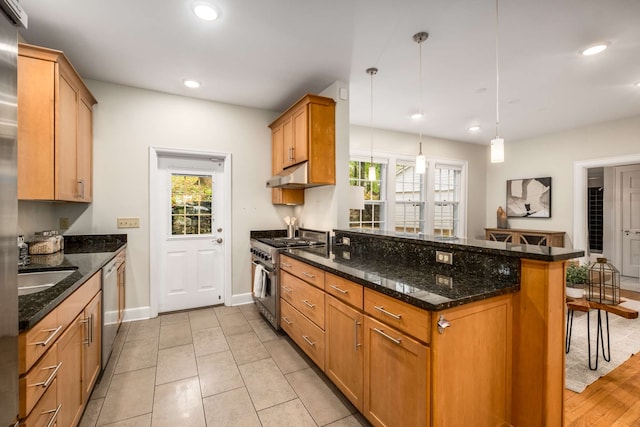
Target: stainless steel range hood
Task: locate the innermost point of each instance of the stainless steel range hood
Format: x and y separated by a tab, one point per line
293	177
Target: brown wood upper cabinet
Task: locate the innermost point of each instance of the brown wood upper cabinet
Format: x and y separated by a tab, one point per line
55	128
305	132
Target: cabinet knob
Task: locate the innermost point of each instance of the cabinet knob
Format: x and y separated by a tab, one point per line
443	324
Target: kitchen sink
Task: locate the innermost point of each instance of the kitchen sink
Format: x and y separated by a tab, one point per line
30	283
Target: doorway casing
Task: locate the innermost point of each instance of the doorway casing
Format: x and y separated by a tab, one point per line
580	183
155	219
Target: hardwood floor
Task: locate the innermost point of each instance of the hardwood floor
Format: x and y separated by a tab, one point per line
613	400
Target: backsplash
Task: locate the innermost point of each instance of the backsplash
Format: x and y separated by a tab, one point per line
36	216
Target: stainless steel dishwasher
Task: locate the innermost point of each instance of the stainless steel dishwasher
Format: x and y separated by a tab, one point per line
111	318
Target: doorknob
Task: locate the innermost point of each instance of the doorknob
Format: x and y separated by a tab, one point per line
219	240
220	230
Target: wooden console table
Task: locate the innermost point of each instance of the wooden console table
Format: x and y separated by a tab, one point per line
528	237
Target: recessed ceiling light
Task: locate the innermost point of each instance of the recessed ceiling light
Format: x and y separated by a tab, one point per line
637	84
417	116
595	49
474	128
206	11
192	84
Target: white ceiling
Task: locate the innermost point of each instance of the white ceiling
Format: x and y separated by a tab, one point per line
267	54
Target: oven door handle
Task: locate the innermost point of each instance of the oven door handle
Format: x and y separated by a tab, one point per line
267	269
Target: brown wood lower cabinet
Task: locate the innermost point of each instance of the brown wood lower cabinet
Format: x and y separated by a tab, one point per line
60	359
344	361
396	377
394	363
70	390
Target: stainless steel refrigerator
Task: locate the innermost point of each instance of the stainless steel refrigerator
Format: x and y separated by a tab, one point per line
11	14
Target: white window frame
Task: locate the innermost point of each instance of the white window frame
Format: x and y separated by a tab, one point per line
421	201
383	202
392	159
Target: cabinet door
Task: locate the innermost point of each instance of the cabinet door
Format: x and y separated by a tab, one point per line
35	129
277	148
300	152
84	151
395	377
70	390
92	345
344	361
66	141
471	359
288	158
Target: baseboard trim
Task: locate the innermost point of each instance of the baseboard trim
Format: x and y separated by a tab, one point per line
137	313
241	299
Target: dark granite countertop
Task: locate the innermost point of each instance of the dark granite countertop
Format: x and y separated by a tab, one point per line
540	253
431	288
85	258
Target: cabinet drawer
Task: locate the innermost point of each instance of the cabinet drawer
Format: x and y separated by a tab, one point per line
45	411
75	303
37	381
309	274
35	342
400	315
344	290
305	333
308	299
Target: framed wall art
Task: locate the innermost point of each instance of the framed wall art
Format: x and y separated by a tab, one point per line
529	198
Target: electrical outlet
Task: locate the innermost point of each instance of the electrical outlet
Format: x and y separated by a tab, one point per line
64	223
128	222
444	280
444	257
346	241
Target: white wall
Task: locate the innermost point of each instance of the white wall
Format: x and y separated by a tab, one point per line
127	121
553	155
407	145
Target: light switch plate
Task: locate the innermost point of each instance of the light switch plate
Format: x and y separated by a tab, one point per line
128	222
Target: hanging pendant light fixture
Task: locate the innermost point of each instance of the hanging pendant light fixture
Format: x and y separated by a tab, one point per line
497	144
421	161
372	169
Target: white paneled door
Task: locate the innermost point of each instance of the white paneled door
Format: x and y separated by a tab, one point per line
630	176
192	235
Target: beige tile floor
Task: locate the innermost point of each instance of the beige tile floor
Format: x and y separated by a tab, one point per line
220	366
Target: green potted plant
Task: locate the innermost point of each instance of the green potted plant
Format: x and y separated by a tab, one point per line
576	280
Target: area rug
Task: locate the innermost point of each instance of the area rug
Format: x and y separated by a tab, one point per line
625	341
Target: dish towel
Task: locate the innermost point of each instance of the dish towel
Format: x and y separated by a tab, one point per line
258	282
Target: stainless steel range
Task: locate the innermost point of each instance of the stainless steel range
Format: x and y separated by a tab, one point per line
265	262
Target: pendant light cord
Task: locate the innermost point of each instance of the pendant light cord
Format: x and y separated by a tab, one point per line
497	72
420	95
371	115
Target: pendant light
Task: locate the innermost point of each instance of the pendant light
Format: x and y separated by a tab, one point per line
421	161
372	169
497	144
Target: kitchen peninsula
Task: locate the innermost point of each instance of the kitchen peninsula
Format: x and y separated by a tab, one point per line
417	330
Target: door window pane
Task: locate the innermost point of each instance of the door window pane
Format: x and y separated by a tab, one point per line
191	197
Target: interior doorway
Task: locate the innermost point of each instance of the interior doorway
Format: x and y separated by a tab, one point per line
190	223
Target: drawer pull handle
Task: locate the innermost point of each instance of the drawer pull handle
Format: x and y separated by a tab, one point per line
55	412
287	321
86	321
284	264
287	289
342	291
46	342
383	311
311	343
46	382
311	276
389	337
308	304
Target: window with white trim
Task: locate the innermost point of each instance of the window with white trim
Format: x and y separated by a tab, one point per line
409	199
447	185
373	214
